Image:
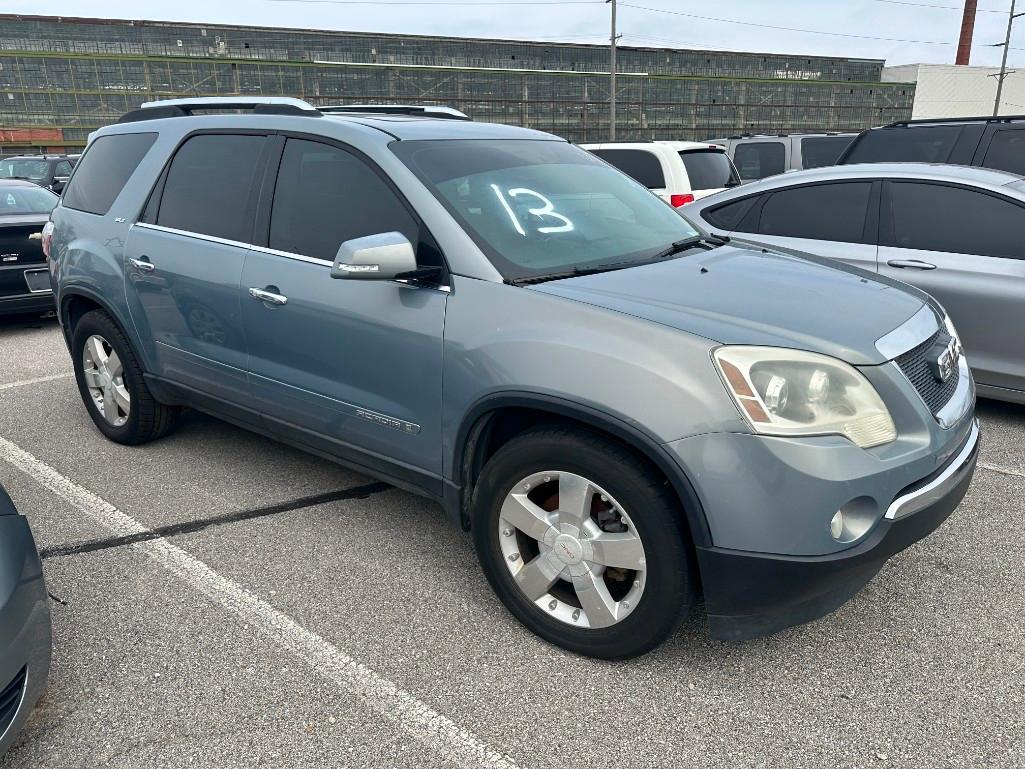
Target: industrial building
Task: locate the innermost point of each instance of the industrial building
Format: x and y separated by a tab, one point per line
943	90
61	78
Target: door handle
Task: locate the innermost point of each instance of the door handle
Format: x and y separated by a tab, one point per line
262	295
144	264
911	264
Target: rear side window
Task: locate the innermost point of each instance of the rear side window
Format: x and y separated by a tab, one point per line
821	151
756	160
210	187
643	166
325	196
1007	151
933	217
729	216
923	144
708	169
105	169
833	212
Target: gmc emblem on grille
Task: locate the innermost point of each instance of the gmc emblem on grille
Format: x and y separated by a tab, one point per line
943	358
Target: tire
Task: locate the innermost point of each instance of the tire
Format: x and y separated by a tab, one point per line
631	500
146	418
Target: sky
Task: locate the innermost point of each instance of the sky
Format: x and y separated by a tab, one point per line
917	31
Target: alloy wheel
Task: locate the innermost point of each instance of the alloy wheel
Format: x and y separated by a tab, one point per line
105	379
572	549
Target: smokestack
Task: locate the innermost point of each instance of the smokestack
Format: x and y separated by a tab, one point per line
964	45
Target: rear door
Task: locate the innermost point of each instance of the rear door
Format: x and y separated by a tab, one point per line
349	367
184	259
836	220
966	247
759	159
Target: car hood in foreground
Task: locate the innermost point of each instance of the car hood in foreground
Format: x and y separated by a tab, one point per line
740	295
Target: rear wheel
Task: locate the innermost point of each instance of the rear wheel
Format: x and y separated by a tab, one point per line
583	542
112	386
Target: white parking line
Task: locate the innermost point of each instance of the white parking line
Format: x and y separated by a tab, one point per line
414	717
37	380
1001	470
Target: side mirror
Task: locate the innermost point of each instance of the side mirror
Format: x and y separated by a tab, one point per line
376	257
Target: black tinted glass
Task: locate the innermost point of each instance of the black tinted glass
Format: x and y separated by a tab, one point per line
756	160
708	169
822	212
820	151
325	196
641	165
931	217
728	217
104	170
209	188
1007	151
922	144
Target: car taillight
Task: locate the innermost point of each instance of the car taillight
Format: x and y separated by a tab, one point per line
47	238
680	200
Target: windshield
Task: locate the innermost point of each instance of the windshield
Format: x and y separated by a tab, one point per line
541	208
709	169
26	200
36	170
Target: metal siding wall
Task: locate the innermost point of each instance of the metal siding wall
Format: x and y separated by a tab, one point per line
78	76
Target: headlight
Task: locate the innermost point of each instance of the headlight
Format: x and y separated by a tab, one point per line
792	392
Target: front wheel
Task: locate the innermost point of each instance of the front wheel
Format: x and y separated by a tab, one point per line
583	542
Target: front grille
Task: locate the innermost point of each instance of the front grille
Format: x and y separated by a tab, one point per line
10	701
915	365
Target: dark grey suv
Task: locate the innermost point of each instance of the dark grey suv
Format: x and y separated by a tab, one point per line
620	409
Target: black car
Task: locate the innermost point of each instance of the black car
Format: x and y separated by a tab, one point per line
990	142
24	278
50	171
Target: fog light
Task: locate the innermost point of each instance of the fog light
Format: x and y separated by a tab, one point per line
836	525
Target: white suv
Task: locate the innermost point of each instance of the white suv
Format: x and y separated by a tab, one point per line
678	172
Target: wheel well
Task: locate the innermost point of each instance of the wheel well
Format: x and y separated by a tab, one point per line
74	308
494	429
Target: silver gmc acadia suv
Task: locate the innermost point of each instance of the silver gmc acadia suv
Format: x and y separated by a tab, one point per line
624	413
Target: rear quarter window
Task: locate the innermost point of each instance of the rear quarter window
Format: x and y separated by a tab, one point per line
1007	151
923	144
642	165
104	169
757	160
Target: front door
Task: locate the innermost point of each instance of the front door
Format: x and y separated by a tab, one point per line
183	263
350	367
966	247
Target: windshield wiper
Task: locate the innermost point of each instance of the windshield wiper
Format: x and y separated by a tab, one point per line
574	273
678	247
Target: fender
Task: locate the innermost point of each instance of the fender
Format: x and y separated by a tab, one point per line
480	413
127	327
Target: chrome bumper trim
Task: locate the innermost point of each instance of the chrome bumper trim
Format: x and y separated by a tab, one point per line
940	486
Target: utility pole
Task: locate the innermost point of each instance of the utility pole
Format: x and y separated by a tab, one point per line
613	39
1003	64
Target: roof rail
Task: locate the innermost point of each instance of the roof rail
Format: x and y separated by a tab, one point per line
274	105
425	110
981	119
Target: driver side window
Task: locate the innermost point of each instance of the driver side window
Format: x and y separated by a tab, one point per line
325	196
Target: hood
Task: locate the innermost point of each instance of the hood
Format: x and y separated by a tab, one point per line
743	295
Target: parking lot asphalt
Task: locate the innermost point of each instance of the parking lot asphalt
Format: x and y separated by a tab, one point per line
221	600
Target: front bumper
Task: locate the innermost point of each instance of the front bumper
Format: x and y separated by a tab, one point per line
751	594
25	633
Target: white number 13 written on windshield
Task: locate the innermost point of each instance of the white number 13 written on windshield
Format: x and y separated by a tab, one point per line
546	210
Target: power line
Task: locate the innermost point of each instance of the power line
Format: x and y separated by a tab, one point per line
785	29
930	5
